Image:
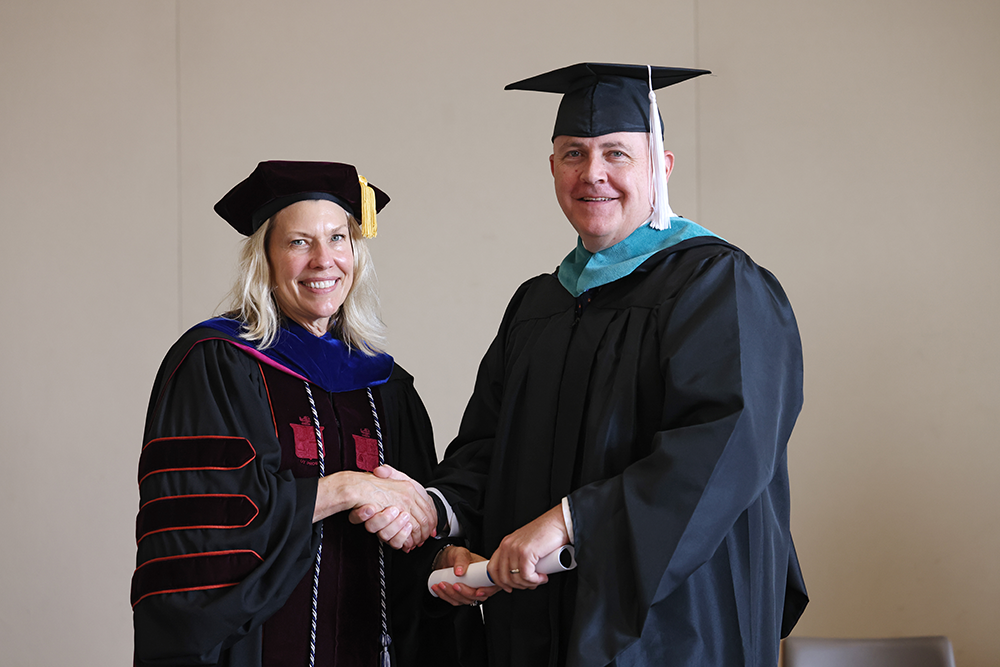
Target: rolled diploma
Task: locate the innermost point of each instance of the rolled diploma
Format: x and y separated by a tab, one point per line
560	560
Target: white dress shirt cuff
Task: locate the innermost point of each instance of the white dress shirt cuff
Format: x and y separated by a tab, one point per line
568	518
454	528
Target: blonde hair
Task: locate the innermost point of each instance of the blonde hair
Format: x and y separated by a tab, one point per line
251	299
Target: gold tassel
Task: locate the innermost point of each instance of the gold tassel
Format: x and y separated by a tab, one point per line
369	228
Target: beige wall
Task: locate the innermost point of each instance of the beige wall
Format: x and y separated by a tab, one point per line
849	145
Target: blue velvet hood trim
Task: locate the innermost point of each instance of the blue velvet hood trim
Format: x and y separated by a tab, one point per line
582	270
325	361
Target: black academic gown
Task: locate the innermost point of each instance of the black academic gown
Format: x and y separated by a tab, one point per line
226	543
661	405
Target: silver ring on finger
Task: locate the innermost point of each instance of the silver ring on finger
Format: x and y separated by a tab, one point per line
515	571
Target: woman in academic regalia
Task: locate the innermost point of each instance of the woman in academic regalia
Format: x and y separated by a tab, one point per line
262	431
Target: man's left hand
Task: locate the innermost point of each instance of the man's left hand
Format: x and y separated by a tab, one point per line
513	564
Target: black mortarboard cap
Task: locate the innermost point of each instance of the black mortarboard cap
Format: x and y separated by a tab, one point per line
601	98
275	184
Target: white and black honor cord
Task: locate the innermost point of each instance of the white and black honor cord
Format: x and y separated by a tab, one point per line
386	639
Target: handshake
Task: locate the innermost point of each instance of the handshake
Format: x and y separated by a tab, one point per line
392	506
402	514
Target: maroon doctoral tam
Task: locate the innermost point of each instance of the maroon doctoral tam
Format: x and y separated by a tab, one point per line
275	184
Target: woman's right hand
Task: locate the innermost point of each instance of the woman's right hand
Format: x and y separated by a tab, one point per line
391	524
391	504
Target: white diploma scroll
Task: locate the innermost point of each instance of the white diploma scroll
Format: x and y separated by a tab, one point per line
560	560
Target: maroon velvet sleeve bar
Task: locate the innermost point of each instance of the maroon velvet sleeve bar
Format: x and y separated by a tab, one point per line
192	572
219	511
203	452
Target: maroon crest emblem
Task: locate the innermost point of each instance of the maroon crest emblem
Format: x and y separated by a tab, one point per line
305	440
366	450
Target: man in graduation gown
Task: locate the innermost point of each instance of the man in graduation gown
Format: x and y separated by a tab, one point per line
637	404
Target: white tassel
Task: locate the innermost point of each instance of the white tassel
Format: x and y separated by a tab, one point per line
658	190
